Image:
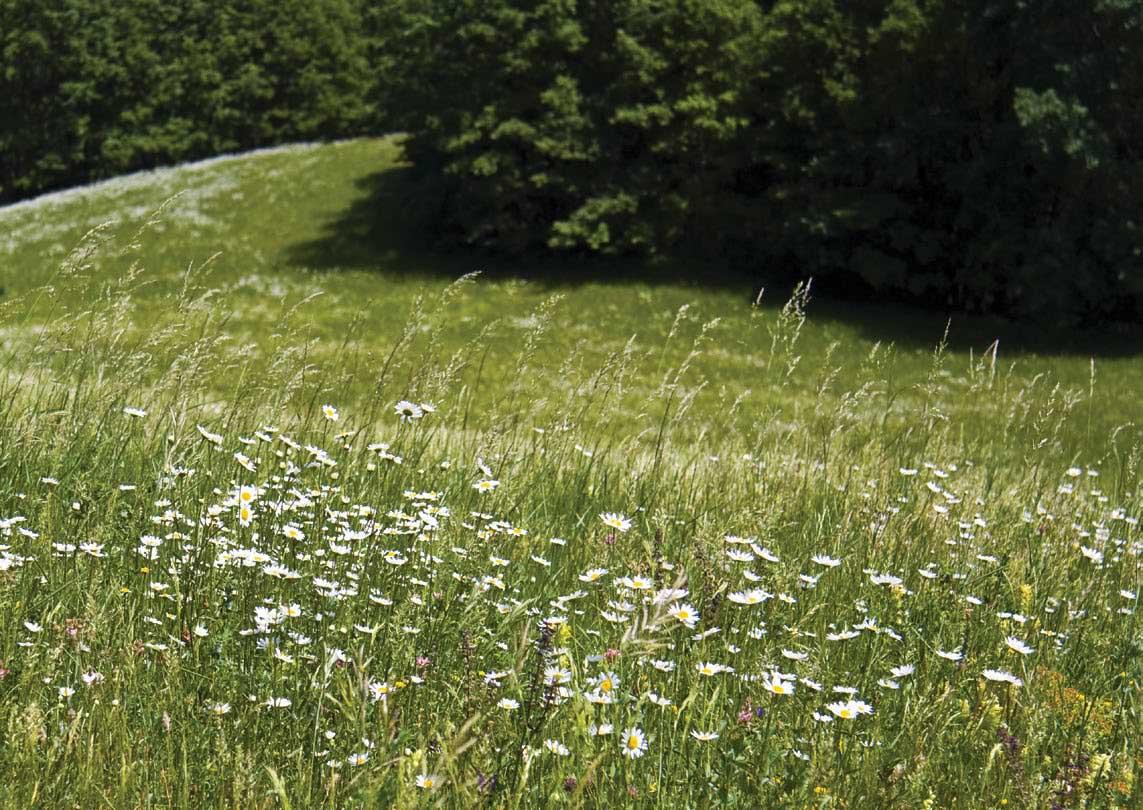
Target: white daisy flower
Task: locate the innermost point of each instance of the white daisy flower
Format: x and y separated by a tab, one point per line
634	743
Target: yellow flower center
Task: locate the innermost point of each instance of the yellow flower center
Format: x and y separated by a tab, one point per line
632	742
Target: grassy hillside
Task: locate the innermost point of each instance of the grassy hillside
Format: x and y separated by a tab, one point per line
649	543
315	239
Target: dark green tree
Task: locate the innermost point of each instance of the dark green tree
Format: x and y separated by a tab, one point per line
92	88
981	153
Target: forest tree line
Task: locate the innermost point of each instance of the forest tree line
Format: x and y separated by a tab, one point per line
983	155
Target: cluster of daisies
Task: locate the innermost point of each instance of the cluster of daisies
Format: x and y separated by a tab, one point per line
297	573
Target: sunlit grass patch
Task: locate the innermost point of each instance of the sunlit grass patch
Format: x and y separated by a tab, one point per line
271	536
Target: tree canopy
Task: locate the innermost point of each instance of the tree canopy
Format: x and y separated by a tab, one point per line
982	153
93	88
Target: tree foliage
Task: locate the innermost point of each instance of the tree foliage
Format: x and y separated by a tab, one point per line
92	88
982	153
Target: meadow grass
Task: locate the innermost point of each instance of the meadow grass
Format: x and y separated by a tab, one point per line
318	522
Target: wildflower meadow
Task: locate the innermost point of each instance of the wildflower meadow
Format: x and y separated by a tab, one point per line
290	521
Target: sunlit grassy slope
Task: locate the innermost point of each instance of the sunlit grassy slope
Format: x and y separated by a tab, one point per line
317	238
647	545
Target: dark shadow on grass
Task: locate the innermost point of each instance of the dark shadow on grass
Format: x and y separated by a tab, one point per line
385	231
911	326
